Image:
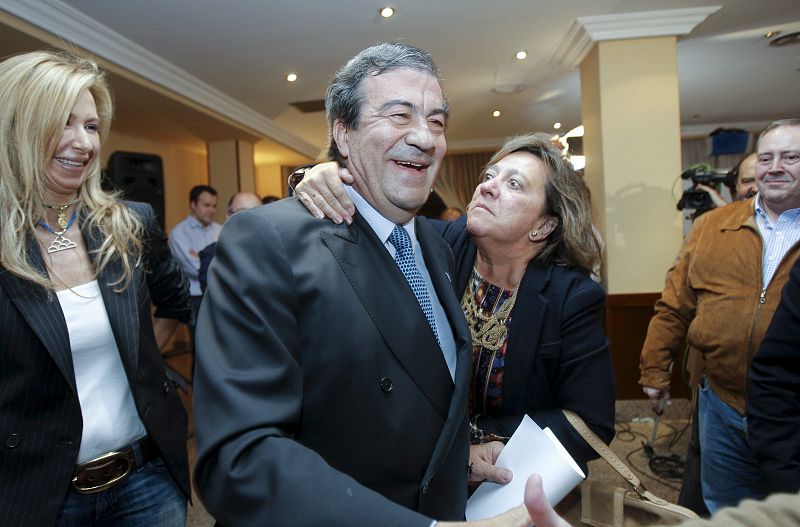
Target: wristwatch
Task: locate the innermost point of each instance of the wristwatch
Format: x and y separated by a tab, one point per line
297	176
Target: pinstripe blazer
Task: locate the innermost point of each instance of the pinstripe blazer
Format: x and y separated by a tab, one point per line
40	414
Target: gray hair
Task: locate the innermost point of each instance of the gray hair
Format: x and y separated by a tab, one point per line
791	121
345	94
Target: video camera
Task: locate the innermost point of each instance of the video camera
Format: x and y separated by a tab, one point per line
696	199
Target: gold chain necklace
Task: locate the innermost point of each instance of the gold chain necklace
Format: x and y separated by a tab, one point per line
493	331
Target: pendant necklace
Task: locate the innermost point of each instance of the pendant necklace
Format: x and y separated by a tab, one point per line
62	213
60	243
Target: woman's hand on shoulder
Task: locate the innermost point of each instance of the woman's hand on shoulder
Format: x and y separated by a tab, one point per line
322	192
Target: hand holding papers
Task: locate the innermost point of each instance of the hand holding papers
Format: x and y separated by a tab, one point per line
530	450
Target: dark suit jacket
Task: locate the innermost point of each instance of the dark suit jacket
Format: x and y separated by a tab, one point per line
205	255
557	354
321	396
773	395
40	414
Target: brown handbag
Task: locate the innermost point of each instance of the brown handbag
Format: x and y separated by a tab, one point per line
600	504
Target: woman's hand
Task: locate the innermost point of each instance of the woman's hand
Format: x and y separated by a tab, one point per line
482	459
322	192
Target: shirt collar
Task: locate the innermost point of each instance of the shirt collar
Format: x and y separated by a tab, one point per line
759	207
382	226
761	212
194	223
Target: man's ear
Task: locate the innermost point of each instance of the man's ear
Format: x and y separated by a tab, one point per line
340	137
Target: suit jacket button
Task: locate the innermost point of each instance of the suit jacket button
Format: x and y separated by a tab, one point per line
386	384
166	387
425	487
13	441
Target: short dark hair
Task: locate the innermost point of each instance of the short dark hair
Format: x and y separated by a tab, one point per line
194	194
269	199
345	94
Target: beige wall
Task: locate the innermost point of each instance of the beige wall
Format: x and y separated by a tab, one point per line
593	145
247	167
182	170
223	173
631	115
270	180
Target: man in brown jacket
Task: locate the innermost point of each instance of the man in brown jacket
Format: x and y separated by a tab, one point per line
720	295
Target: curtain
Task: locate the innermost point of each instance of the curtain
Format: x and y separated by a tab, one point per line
698	150
458	178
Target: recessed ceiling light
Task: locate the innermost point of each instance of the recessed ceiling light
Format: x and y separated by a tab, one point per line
291	77
556	125
496	113
770	34
521	54
387	11
785	40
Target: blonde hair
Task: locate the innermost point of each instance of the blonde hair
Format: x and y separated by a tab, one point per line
574	242
38	91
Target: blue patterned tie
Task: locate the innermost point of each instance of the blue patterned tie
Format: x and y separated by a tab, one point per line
408	265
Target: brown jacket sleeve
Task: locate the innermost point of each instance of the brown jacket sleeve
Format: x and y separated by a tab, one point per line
779	510
674	312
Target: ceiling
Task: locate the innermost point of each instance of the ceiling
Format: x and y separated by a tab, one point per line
239	53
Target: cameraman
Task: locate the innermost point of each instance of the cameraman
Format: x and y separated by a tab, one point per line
744	182
720	295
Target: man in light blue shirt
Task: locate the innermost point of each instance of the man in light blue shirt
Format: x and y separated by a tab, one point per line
190	236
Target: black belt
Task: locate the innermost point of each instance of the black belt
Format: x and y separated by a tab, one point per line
111	469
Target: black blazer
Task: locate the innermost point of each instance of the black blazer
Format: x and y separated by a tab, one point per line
773	395
40	414
557	354
205	255
321	396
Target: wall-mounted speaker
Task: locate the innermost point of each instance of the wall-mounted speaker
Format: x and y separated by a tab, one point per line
140	177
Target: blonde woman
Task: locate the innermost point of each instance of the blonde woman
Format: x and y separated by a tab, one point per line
91	430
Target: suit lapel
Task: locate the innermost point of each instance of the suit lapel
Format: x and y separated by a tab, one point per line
43	314
121	307
392	307
435	260
523	334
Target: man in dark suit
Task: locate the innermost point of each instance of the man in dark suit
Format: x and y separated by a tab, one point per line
333	360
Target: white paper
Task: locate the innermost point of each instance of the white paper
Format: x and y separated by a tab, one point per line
530	450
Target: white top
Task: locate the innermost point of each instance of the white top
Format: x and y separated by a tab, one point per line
110	420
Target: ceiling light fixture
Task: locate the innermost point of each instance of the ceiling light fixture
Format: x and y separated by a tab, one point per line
496	113
521	54
770	34
387	11
556	125
786	40
291	77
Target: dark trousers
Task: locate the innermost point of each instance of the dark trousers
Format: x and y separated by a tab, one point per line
691	495
196	300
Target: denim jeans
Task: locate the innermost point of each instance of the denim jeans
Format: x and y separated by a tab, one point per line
728	471
147	498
